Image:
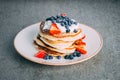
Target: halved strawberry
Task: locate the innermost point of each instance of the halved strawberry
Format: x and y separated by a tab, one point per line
40	54
81	50
82	43
54	29
81	47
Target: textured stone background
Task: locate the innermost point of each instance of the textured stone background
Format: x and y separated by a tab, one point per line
102	15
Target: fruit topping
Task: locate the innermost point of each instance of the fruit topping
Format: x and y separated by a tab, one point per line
68	30
75	23
63	14
50	57
81	47
58	57
78	54
51	18
71	56
84	37
75	31
62	24
66	56
54	29
47	57
40	54
63	20
81	50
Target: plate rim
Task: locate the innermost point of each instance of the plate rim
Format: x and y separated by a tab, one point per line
63	64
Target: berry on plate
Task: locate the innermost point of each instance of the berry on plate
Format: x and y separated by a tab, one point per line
81	47
40	54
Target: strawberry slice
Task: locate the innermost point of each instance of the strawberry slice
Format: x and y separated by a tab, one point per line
81	50
82	43
54	29
40	54
81	47
84	37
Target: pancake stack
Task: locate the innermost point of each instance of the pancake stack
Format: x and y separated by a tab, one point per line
58	35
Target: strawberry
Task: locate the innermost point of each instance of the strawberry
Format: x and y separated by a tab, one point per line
81	47
81	43
84	37
81	50
40	54
63	14
54	29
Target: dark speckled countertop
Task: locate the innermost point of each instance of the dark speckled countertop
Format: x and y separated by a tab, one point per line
102	15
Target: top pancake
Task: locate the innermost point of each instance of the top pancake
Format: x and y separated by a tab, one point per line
63	36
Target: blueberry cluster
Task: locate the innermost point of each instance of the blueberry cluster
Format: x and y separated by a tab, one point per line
63	20
48	57
71	56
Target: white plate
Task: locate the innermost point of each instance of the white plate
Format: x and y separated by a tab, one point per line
23	43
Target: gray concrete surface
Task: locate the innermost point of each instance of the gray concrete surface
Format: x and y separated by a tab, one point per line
102	15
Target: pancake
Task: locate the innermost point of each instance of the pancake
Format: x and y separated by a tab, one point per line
69	38
50	52
68	50
57	44
61	35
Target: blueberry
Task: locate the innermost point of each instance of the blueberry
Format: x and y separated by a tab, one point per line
50	57
46	57
53	21
72	22
78	55
63	16
69	23
58	57
71	56
57	21
62	24
66	23
66	56
68	30
67	18
52	17
63	19
66	26
48	19
57	16
75	31
75	23
74	54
